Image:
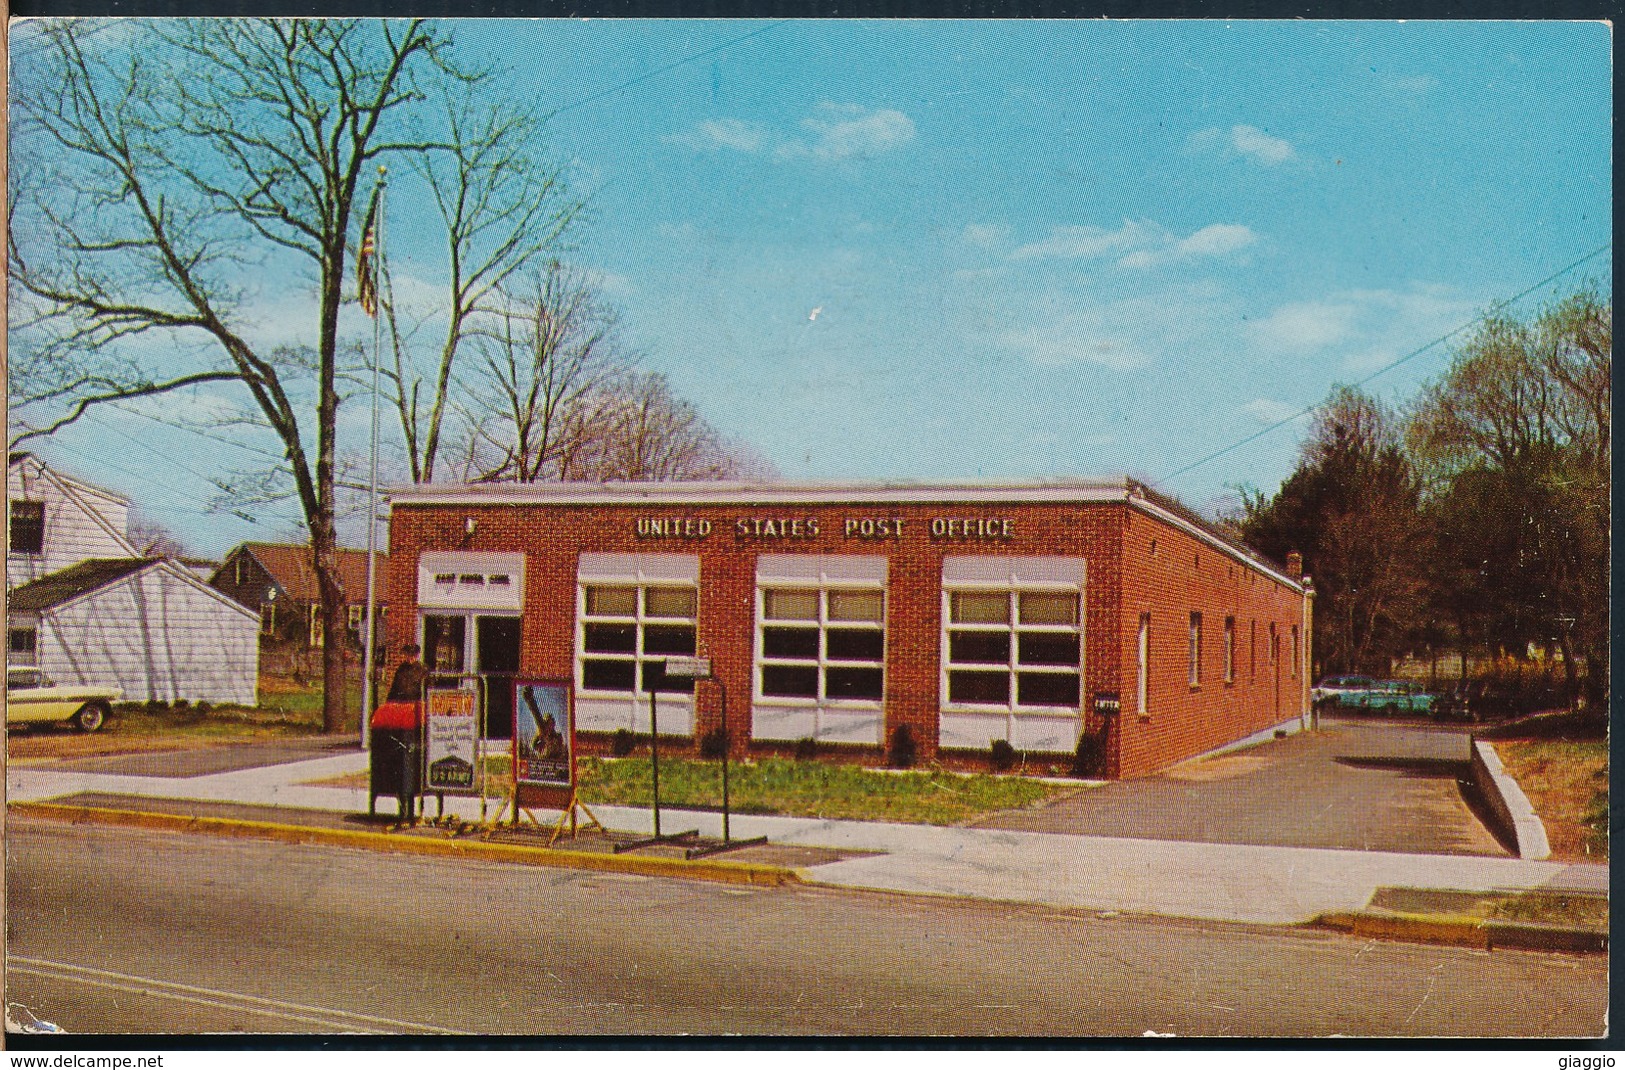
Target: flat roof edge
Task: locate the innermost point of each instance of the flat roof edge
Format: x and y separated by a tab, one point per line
696	493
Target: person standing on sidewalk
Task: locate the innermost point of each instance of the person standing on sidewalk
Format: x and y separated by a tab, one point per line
407	684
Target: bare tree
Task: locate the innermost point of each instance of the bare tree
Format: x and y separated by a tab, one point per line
504	206
152	539
539	361
201	153
635	428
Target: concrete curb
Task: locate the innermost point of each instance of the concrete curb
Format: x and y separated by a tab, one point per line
1461	930
1508	803
700	869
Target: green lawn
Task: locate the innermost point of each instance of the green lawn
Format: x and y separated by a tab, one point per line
1567	782
810	789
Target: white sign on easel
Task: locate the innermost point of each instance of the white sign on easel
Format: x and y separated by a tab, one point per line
452	743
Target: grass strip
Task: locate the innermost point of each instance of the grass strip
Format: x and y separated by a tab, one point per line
810	789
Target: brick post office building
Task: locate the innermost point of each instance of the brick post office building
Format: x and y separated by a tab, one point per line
969	613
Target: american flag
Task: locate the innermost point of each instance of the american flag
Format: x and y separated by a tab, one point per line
366	265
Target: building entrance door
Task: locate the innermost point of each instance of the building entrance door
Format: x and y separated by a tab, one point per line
496	659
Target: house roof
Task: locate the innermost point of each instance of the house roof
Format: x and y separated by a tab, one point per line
290	566
71	582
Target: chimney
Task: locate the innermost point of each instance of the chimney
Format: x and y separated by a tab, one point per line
1294	566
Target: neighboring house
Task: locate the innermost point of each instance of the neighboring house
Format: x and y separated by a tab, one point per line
57	521
147	626
278	582
87	608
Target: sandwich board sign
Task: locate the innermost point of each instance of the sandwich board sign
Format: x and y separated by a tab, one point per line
543	734
451	744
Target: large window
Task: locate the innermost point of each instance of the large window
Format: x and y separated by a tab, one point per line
627	632
27	527
821	643
1016	649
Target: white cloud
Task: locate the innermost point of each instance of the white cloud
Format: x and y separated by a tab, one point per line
1268	411
1362	330
985	235
1307	325
714	134
847	131
1245	141
1138	244
1122	334
834	132
1218	239
1254	143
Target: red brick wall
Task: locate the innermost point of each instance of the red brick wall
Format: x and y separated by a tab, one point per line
1171	574
553	537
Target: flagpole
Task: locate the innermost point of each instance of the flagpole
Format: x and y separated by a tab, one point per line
369	663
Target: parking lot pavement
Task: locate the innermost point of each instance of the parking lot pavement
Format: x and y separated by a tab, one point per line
208	761
1352	785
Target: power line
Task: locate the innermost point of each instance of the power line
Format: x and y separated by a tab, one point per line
612	90
169	490
201	434
1508	303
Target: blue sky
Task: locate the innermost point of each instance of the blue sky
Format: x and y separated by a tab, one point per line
945	250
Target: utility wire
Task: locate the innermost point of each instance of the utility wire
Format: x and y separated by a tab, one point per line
170	491
629	83
1494	309
278	457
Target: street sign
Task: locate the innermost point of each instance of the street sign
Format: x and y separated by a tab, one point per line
698	668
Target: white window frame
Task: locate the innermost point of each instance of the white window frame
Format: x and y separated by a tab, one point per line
639	619
1229	650
1012	589
1196	650
822	588
1142	656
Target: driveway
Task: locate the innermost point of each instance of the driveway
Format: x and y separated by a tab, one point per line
1353	785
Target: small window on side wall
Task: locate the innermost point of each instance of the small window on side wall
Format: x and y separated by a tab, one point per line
27	527
22	645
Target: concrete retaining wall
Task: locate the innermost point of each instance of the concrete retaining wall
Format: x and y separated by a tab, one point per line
1508	804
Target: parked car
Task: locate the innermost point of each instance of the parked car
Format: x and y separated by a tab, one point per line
1479	700
1332	690
1392	697
31	698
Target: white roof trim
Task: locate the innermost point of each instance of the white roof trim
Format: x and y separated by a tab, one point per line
72	489
732	493
1174	520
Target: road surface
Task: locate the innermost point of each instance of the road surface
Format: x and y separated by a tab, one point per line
119	930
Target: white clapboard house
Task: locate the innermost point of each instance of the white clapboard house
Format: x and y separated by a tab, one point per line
86	608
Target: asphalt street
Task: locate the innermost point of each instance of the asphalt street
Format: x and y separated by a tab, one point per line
136	931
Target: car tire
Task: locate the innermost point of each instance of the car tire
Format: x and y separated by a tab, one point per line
91	716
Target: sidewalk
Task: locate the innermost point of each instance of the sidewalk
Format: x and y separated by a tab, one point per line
1213	882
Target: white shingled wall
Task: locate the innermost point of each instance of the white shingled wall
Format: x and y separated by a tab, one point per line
159	634
81	523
